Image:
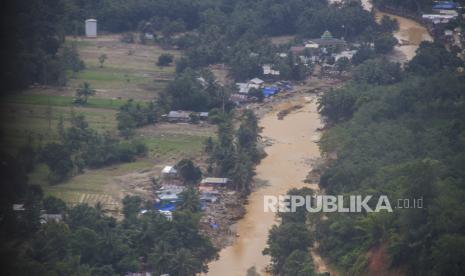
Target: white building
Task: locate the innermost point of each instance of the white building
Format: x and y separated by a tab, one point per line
169	171
269	71
91	28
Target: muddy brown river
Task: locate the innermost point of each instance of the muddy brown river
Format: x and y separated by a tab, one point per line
285	167
409	35
287	164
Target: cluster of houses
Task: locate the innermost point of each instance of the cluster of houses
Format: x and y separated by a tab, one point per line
44	217
316	50
444	12
168	195
245	90
181	116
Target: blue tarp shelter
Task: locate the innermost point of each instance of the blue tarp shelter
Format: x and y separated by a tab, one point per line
445	6
165	206
269	91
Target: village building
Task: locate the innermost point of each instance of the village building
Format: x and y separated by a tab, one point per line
178	116
139	274
446	7
46	218
168	197
297	50
268	71
326	41
215	181
149	36
169	172
256	83
203	115
238	99
348	54
208	194
439	18
18	207
244	88
202	81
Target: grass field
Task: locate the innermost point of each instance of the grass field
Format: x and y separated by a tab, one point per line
110	184
130	70
129	73
50	100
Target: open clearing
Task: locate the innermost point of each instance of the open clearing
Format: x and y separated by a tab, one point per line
129	72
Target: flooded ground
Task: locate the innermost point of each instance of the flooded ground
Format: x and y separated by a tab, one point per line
285	167
288	162
409	35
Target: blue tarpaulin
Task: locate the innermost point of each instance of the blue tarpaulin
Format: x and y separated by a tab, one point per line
171	206
269	91
445	6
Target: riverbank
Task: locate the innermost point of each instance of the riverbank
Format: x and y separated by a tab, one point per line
409	35
291	129
290	143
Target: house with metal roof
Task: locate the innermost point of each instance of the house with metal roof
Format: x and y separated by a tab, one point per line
46	218
269	71
445	5
178	116
169	171
243	87
215	181
256	81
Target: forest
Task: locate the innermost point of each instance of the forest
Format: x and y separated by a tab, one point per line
209	31
403	138
396	131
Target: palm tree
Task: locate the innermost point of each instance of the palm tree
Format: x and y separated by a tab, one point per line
102	59
161	257
185	263
189	200
83	92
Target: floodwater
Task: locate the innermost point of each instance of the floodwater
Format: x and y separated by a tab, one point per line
287	164
409	35
285	167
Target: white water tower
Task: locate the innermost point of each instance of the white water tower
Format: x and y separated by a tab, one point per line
91	28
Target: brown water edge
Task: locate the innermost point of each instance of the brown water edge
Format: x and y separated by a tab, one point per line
409	35
285	167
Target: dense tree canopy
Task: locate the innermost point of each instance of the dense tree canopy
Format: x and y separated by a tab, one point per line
404	140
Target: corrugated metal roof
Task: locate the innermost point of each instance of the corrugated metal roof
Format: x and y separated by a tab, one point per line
215	180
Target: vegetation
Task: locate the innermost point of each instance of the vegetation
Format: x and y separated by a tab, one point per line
189	172
132	115
89	243
289	243
235	154
101	59
192	90
399	138
395	132
83	93
80	146
165	60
